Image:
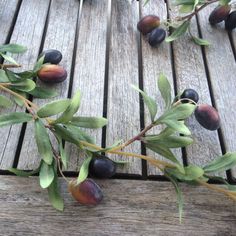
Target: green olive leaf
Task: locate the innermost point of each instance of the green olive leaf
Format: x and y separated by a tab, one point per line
5	102
201	42
84	170
39	92
178	31
222	163
88	122
12	48
186	8
150	103
38	65
28	74
23	173
71	109
18	100
8	58
165	89
46	175
43	142
53	108
224	2
3	76
178	126
25	85
14	118
13	77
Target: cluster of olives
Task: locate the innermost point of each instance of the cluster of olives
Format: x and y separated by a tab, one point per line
51	72
222	13
149	25
88	192
206	115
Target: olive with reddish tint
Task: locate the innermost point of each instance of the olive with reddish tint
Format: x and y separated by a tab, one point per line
219	14
207	116
230	22
148	23
86	193
156	37
189	94
52	56
52	74
102	167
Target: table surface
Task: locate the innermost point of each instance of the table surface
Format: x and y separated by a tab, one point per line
104	54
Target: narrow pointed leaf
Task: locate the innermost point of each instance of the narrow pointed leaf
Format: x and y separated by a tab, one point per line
12	48
84	170
25	85
165	89
5	102
3	76
39	92
23	173
14	118
46	175
8	58
201	42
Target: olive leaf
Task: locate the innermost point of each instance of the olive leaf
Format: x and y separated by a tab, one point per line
89	122
71	109
43	142
12	48
38	65
165	89
18	100
150	102
63	154
8	58
46	175
39	92
224	2
222	163
84	170
3	76
178	31
5	102
53	108
177	126
12	77
23	173
14	118
201	42
186	8
25	85
29	74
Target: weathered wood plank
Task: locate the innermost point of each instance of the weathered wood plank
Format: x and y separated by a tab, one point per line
60	35
7	12
156	61
123	101
89	70
222	70
129	207
190	73
28	31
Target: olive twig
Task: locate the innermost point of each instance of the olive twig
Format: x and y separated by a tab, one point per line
9	66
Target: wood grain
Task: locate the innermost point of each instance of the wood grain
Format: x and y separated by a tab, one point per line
60	35
190	73
123	101
28	31
156	61
89	70
129	207
222	70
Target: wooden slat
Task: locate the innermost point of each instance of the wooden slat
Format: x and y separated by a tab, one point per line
60	35
123	101
156	61
222	69
7	12
129	207
190	73
90	67
28	31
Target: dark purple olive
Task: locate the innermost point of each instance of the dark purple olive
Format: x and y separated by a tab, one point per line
156	37
52	56
219	14
189	94
148	23
230	22
102	167
207	116
52	73
86	193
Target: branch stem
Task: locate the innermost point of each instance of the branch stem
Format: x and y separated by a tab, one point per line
9	66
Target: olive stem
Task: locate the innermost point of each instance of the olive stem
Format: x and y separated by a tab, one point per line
9	66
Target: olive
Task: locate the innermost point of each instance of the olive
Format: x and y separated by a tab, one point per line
102	167
156	36
230	22
148	23
207	116
189	94
219	14
52	73
52	56
86	193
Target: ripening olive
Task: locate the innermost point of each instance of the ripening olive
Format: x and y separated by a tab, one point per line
148	23
189	94
86	193
52	56
156	36
219	14
102	167
52	74
207	116
230	22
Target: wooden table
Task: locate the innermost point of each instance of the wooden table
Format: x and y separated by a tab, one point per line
103	54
